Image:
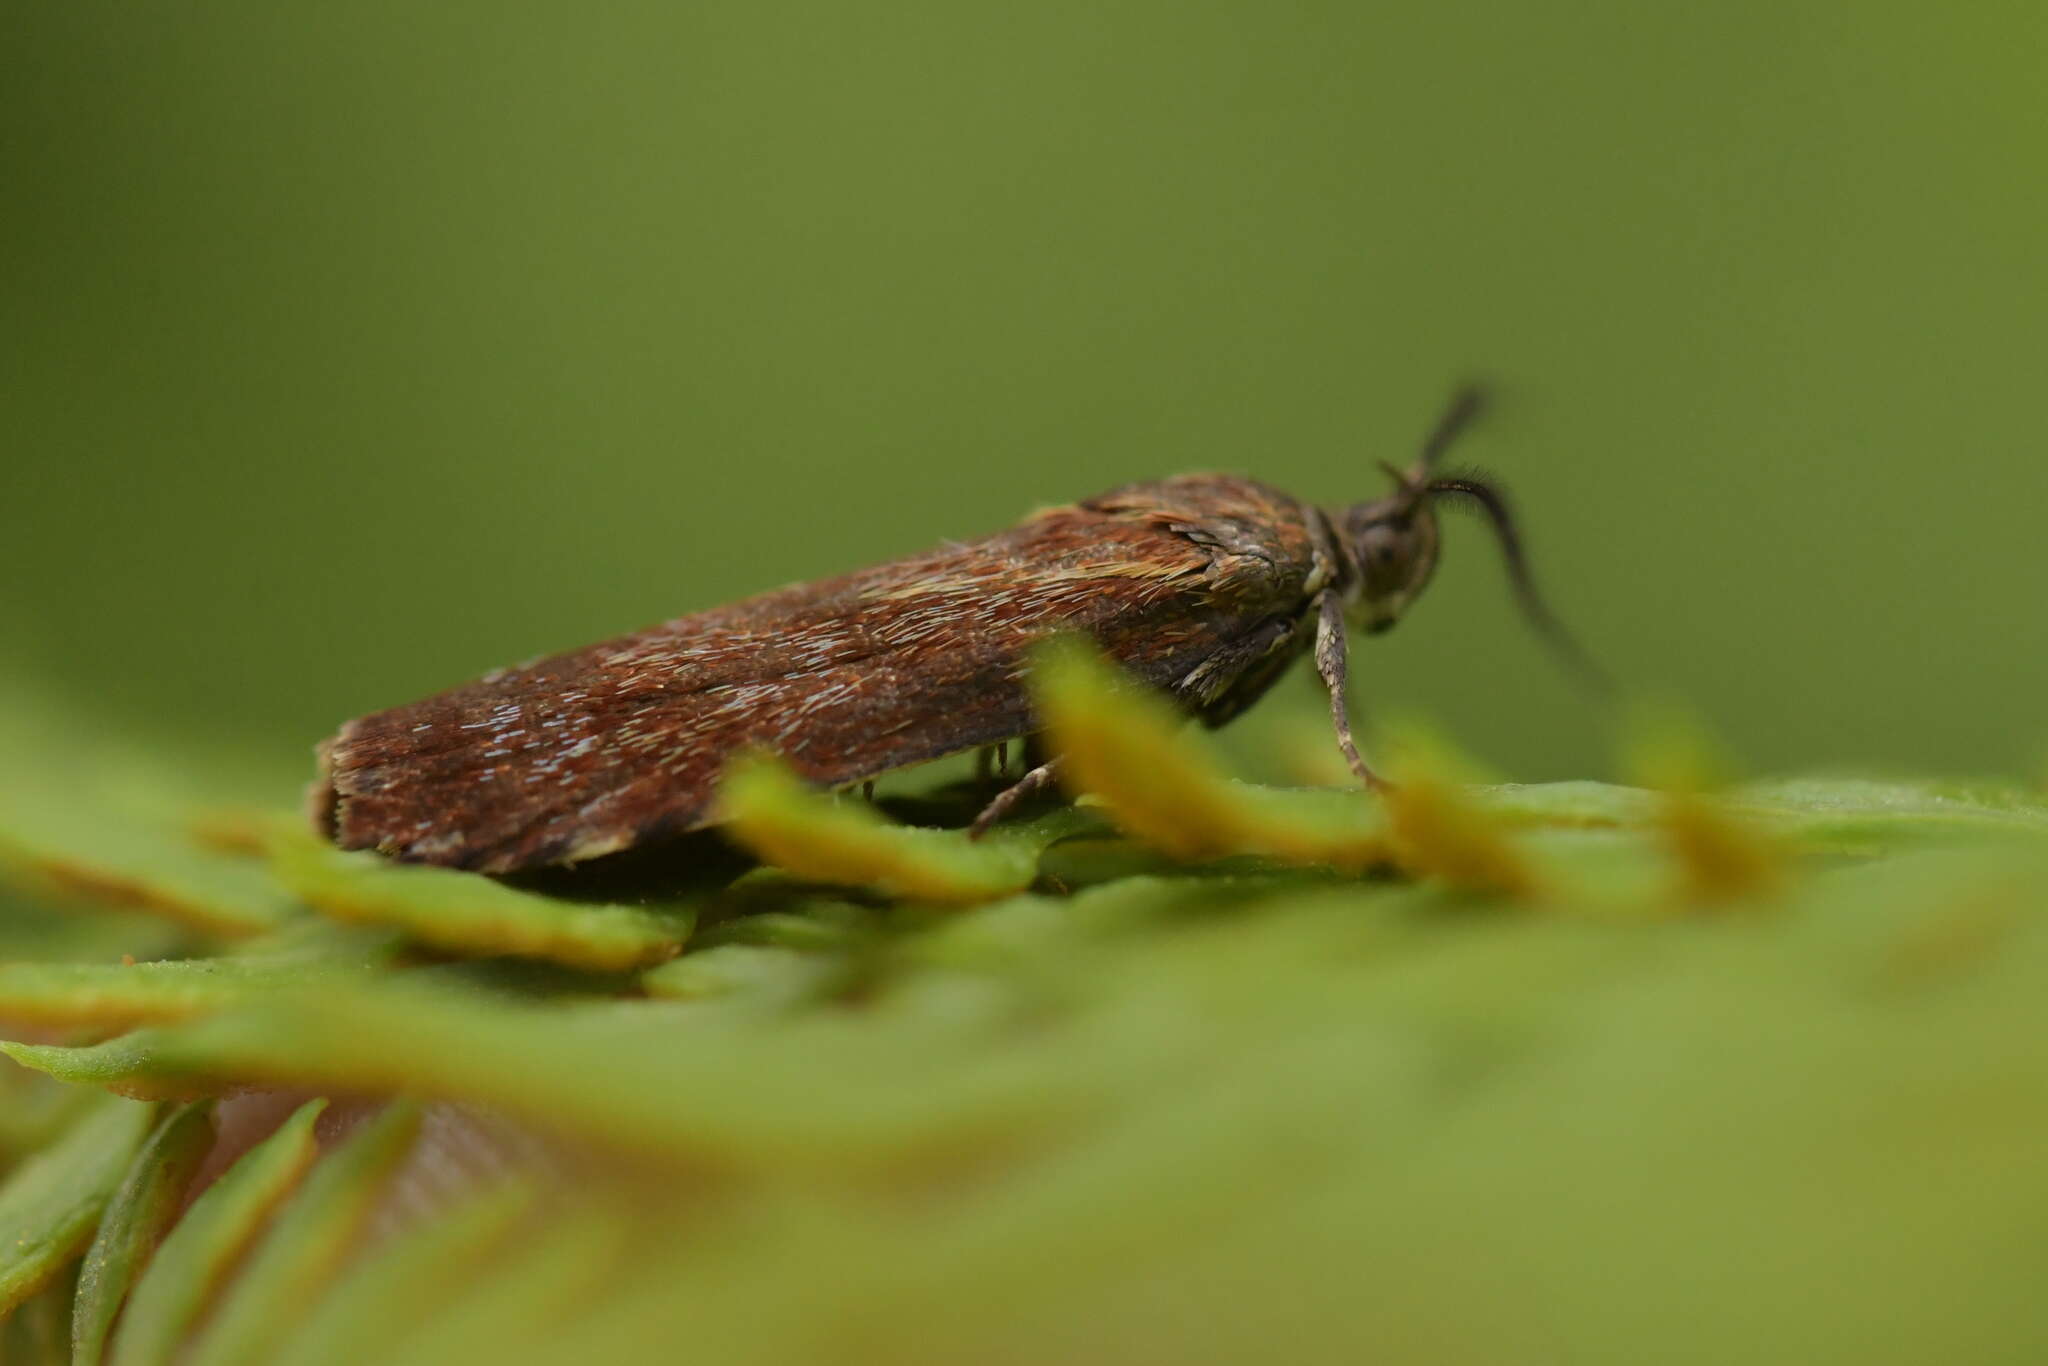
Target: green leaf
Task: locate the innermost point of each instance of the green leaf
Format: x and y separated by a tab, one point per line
775	815
51	1203
109	997
125	1064
206	1242
307	1243
149	1197
1578	805
807	923
467	913
1871	816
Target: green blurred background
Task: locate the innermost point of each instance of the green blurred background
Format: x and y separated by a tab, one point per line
352	350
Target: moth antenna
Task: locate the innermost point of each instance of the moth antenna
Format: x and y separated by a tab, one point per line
1474	491
1465	405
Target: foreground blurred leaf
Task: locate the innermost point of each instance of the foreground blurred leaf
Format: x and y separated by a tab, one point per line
1436	830
468	913
820	1093
36	1333
149	1198
386	1295
34	1110
1134	1104
1722	854
306	1244
1515	1108
1129	749
51	1203
206	1241
528	1295
86	818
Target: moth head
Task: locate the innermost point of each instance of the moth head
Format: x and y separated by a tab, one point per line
1393	541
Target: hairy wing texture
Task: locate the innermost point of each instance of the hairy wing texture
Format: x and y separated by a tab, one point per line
591	751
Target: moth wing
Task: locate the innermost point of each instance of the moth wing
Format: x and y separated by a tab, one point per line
599	749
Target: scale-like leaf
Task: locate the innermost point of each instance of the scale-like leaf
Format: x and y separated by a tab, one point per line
107	997
770	811
1127	749
1436	830
727	970
126	1065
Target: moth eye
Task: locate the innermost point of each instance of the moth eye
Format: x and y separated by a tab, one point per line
1380	548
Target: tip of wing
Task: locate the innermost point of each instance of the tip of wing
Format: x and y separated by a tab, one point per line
323	799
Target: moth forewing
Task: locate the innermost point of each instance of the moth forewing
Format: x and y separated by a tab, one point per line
1199	585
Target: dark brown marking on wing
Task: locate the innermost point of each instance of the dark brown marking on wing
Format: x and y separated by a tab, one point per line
605	747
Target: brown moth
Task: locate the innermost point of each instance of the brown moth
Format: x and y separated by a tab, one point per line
1207	586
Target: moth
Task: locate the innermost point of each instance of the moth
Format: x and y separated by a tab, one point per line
1207	586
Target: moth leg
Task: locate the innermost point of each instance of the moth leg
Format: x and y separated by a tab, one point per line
1033	782
992	761
1331	663
867	791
